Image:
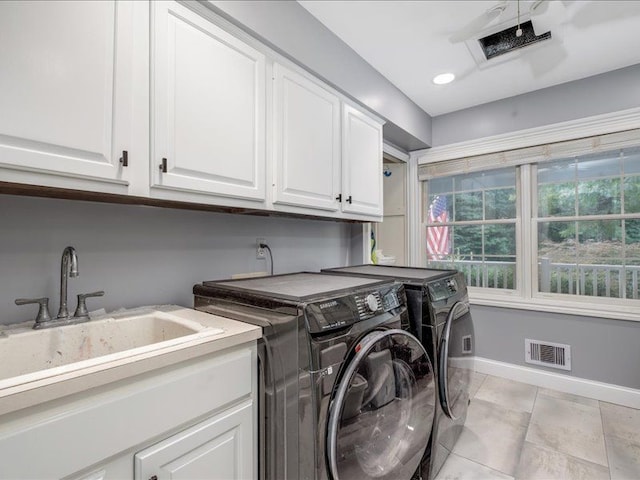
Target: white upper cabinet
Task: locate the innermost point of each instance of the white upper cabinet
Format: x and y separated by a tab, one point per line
307	142
208	107
361	163
65	89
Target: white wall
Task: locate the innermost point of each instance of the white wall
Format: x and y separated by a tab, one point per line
145	255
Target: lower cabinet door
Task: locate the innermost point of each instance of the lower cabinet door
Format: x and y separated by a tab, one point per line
219	448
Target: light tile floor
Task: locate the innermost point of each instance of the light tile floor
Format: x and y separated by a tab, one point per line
518	431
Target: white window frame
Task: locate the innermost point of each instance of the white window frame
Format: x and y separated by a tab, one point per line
526	296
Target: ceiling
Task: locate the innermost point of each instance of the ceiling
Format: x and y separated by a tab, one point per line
409	42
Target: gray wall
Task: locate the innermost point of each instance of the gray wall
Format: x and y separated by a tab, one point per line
145	255
604	93
292	31
604	350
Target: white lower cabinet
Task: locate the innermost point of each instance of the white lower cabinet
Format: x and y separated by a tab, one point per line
217	449
193	420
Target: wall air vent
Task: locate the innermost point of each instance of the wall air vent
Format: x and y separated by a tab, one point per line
467	346
548	354
506	40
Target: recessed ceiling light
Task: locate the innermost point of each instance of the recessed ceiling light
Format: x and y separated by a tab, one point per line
443	78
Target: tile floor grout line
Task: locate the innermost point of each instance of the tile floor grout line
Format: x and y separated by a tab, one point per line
604	439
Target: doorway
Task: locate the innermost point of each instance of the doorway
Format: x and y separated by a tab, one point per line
391	234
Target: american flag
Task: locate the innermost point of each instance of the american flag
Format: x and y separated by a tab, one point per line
438	235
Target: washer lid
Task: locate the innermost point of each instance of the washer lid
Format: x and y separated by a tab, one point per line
299	286
381	413
402	274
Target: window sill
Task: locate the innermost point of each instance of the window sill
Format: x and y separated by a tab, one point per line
585	309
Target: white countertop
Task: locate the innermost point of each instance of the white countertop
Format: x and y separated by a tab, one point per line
38	387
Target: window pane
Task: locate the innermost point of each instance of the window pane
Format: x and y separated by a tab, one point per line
602	236
560	171
631	160
500	242
440	185
557	256
467	242
600	165
468	206
600	253
632	236
500	204
599	197
632	258
557	200
632	194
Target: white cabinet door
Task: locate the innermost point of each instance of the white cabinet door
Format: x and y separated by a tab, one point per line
66	87
208	107
361	163
220	448
306	143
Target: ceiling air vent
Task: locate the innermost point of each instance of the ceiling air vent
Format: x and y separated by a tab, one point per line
548	354
506	40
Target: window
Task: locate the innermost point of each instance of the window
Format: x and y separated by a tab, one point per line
471	224
588	225
557	225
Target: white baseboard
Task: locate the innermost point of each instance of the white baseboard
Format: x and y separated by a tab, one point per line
607	392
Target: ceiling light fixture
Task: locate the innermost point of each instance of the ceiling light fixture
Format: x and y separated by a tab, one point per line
443	78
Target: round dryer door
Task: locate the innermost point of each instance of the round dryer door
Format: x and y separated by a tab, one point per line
455	362
381	413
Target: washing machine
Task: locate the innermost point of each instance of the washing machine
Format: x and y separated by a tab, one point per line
346	392
440	317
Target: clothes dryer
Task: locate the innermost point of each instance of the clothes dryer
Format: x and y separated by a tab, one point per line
440	317
345	391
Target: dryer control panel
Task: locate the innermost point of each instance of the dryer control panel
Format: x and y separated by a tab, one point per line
342	311
443	289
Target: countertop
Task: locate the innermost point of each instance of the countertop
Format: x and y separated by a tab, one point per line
38	387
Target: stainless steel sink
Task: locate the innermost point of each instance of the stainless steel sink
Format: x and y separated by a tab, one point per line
26	351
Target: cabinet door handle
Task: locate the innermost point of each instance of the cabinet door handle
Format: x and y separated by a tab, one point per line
163	166
349	200
339	197
124	159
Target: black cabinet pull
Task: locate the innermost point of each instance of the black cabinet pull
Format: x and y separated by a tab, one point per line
124	159
163	166
339	198
349	199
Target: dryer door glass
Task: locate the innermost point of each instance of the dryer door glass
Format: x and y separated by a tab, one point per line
455	361
382	409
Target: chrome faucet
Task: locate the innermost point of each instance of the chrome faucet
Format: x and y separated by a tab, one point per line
69	266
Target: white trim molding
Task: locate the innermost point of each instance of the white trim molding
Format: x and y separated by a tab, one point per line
557	132
395	152
606	392
414	233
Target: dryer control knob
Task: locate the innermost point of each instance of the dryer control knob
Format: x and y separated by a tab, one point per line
372	302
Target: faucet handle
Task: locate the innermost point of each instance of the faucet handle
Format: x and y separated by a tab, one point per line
81	309
43	312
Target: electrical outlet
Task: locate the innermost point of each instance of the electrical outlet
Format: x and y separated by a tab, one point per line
260	253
